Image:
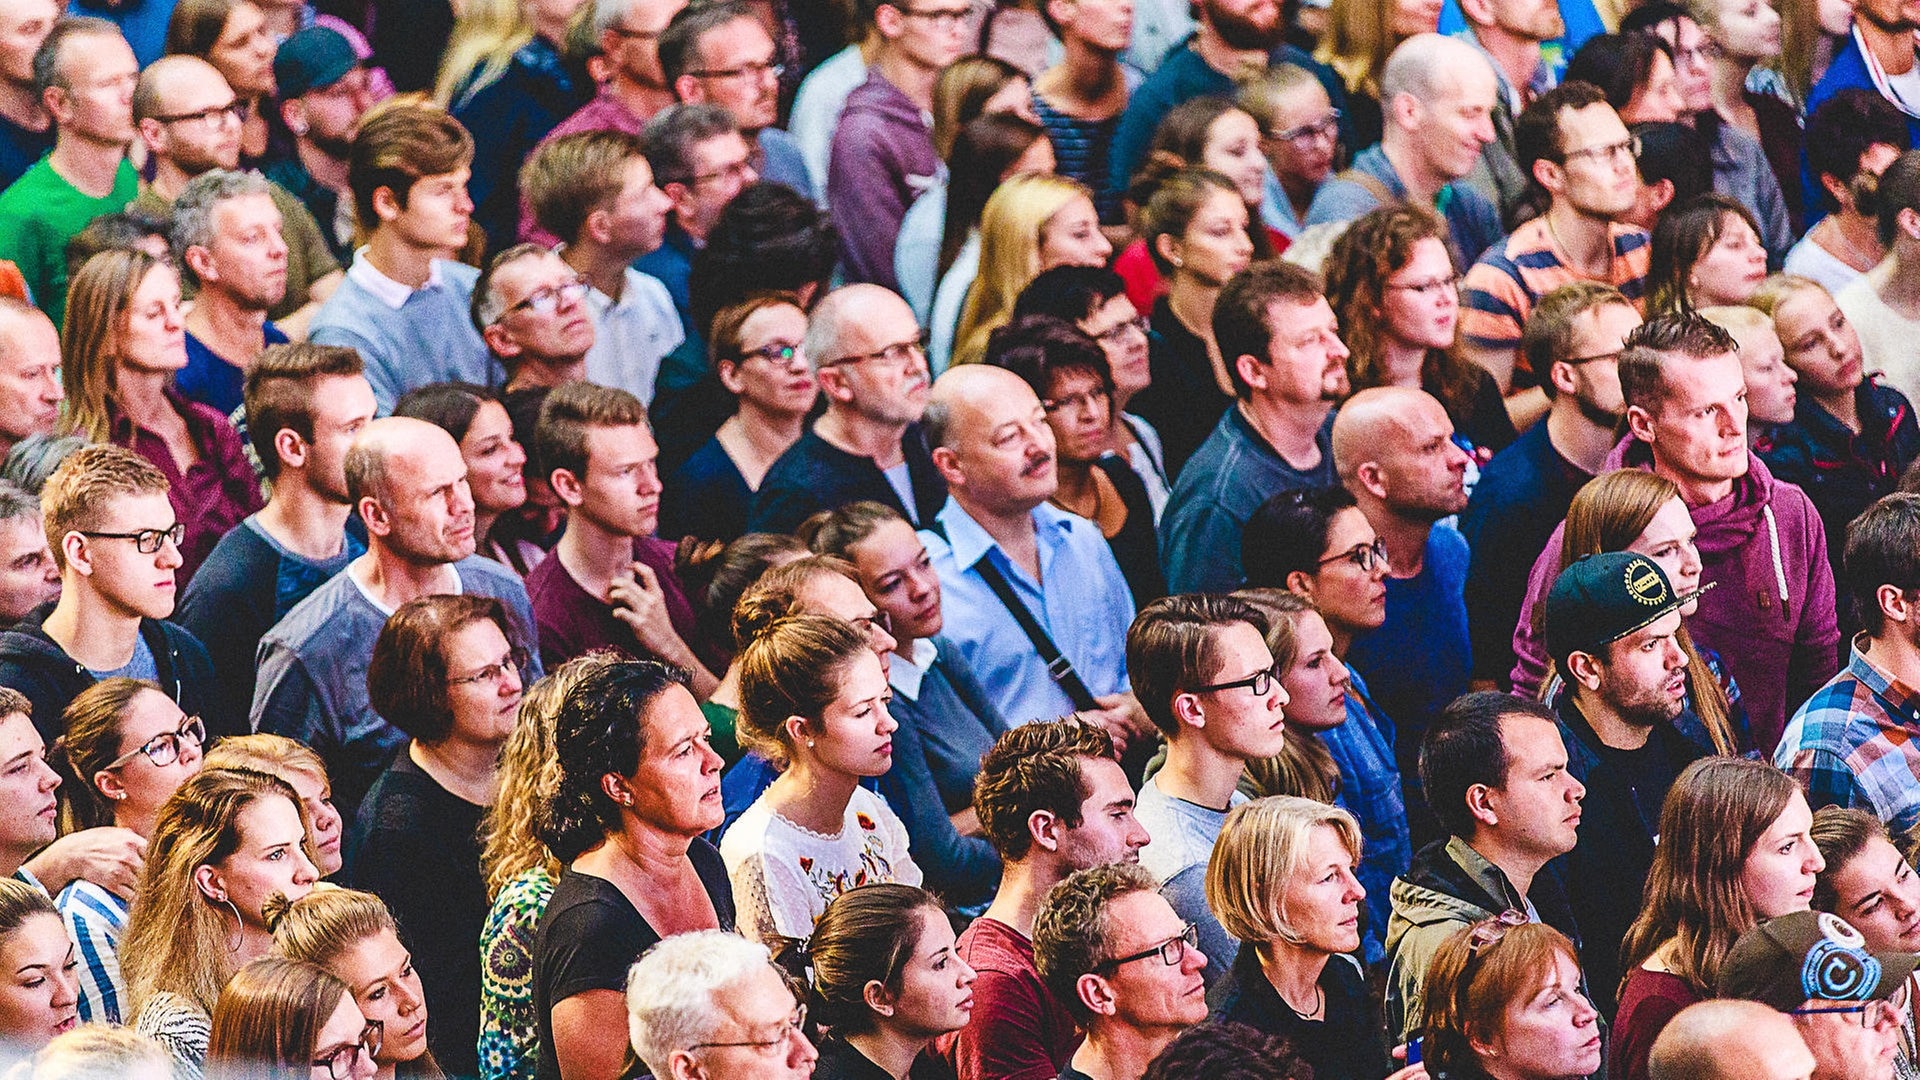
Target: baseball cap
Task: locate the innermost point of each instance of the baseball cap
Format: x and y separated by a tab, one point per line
314	58
1603	598
1810	956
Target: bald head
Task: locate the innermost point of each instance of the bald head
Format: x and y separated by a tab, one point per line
843	321
990	440
171	79
1430	65
26	332
1730	1040
963	393
1374	421
1393	448
391	446
30	391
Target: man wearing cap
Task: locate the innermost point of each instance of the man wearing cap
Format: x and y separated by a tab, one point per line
324	90
1815	967
1611	626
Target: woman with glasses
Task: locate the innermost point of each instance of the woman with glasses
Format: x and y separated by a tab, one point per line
496	464
283	1019
1870	884
758	353
226	843
1734	851
814	700
1706	253
123	339
352	935
1393	285
38	999
1504	1002
1300	135
1281	880
296	763
887	980
446	672
126	750
637	785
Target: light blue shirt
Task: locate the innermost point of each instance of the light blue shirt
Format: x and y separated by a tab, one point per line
1085	607
916	254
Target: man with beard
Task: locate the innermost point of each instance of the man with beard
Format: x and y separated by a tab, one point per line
1578	154
1283	351
1854	743
189	121
1395	451
1574	336
721	54
226	232
26	131
1879	55
324	90
1611	626
1510	33
304	404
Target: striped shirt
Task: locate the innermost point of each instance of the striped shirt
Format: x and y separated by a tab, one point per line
95	920
1514	274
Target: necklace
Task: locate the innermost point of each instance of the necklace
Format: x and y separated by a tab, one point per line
1561	245
1319	1003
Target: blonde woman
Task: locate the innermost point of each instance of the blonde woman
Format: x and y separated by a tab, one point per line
101	1052
353	936
1032	223
293	761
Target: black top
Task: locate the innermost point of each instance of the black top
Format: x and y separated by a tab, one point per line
1184	400
1135	547
417	846
816	475
840	1061
705	497
1347	1045
1483	419
591	934
1844	473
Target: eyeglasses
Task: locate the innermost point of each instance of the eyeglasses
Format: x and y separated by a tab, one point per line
941	18
1260	682
1364	556
1871	1013
236	111
738	170
1488	931
1139	324
146	541
547	299
879	620
779	354
515	659
755	70
341	1063
1424	289
793	1025
899	354
164	749
1327	127
1170	951
1088	399
643	35
1629	149
1578	360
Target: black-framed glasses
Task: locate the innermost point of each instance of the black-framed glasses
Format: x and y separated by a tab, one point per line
1327	127
793	1025
1084	400
1629	147
899	354
879	620
1364	556
164	749
1260	682
547	299
516	659
779	354
1578	360
1170	951
757	70
341	1063
146	541
1139	324
941	18
235	111
1424	289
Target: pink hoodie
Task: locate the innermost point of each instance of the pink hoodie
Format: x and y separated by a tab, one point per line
1771	613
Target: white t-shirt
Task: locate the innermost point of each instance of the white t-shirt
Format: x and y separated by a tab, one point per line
1889	342
1811	261
784	875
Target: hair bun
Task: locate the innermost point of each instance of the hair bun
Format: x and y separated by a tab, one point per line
274	911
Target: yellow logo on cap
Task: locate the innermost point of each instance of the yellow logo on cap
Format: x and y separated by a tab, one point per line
1645	584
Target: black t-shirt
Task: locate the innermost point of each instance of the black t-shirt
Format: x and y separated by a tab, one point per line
839	1060
591	934
1647	772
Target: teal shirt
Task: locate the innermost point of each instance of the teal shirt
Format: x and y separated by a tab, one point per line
40	213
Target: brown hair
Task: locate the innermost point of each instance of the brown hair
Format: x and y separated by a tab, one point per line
568	178
836	531
560	437
94	331
1072	928
777	594
90	742
280	388
1643	363
407	677
1469	988
196	25
267	1022
1841	833
398	145
867	935
1174	645
1548	336
1681	238
723	337
1169	194
795	668
1031	768
77	493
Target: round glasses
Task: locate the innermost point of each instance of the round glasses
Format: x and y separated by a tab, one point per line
164	749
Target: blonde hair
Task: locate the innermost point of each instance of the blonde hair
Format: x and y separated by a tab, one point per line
1260	848
267	753
1778	289
321	925
1010	230
99	301
484	39
1739	318
99	1051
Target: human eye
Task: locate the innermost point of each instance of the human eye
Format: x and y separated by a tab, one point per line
377	994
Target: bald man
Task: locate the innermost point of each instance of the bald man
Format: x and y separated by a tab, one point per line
1730	1040
870	353
408	482
30	392
1395	451
189	121
995	454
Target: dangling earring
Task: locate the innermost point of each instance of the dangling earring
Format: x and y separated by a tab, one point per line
239	926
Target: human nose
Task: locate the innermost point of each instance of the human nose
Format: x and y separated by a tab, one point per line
48	778
516	455
801	1060
1192	960
1576	790
967	974
66	988
169	557
1356	892
710	759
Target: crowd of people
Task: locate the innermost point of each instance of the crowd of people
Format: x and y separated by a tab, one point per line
963	540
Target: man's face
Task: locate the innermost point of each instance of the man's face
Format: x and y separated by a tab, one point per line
134	583
342	405
1237	722
1593	382
1457	124
1699	433
427	508
890	388
1690	61
621	491
1308	360
544	311
1108	832
637	218
735	70
23	26
757	1009
30	392
28	577
1598	173
1643	676
1424	470
248	257
722	166
1003	450
1105	24
633	44
206	133
26	790
1150	995
331	114
1244	24
96	104
1538	804
1889	16
930	33
436	214
1850	1045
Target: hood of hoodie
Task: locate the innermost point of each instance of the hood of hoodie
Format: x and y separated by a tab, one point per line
28	645
1724	525
1437	889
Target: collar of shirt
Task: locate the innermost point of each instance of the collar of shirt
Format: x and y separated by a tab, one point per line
905	672
1898	696
384	289
971	543
123	430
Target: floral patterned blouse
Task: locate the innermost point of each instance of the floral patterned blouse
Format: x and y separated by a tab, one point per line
509	1033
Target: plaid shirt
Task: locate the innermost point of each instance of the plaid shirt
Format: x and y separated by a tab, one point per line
1853	743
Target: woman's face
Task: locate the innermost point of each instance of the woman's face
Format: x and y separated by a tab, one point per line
774	379
156	332
1122	335
676	787
1879	894
1079	410
483	688
1668	541
137	787
1412	17
1770	392
317	797
855	732
1215	246
1553	1034
1748	29
1819	341
1659	99
936	986
1349	596
340	1035
1233	149
494	461
1322	898
1420	304
244	52
899	579
1779	873
1072	236
271	859
1728	272
39	983
1306	114
387	989
1836	17
1316	681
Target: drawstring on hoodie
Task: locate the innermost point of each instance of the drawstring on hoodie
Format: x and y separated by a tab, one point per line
1779	568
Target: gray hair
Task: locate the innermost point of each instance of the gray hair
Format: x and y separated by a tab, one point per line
1424	66
193	209
487	306
17	502
670	991
34	458
669	138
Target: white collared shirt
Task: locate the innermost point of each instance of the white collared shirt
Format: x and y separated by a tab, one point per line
904	673
392	293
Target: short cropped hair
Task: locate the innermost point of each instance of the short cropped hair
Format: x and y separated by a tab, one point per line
1174	645
560	438
671	990
1648	347
48	71
485	307
1069	292
196	204
1071	930
1031	768
1464	749
279	392
397	146
1899	190
1240	315
1536	131
568	178
77	493
1548	337
680	42
407	676
17	502
1843	129
669	138
1883	548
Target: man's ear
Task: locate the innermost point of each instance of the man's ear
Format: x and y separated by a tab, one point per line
1371	478
73	547
1408	112
1583	668
200	261
1480	805
1640	423
567	486
1044	829
1095	994
948	462
374	516
1560	374
1660	194
688	89
1188	712
385	206
291	448
1551	175
500	342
